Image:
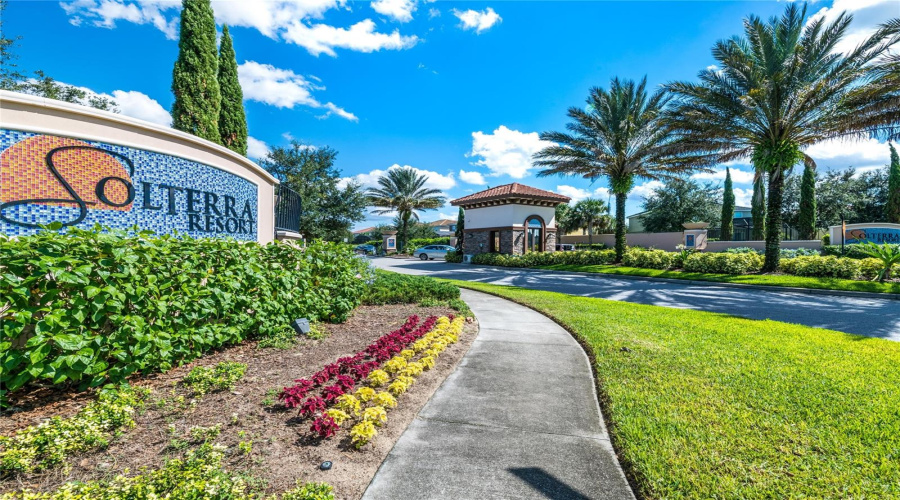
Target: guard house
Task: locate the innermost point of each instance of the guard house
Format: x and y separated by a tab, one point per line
510	219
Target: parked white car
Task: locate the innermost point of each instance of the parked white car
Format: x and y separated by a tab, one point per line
431	252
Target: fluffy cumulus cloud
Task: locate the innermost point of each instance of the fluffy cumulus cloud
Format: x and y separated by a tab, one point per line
139	105
867	16
256	149
281	19
840	153
743	197
644	190
578	194
361	37
284	88
479	21
738	176
505	151
435	180
472	177
398	10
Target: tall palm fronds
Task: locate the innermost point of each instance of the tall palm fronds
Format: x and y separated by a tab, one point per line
620	136
402	190
782	87
591	214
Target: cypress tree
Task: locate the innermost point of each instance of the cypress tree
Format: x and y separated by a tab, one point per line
194	78
892	209
807	217
728	208
460	229
758	207
232	120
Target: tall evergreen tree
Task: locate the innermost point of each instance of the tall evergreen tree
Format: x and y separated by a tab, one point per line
460	229
728	208
195	76
232	119
758	208
806	222
892	209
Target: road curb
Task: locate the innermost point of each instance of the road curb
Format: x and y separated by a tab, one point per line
745	286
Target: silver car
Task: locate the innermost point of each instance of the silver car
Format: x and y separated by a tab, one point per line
431	252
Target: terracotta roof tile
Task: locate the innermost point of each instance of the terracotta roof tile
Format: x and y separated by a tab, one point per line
442	222
507	191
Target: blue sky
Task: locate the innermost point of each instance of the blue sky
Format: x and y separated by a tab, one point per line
456	89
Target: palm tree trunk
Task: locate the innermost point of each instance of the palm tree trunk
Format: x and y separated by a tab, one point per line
620	225
773	220
404	232
590	234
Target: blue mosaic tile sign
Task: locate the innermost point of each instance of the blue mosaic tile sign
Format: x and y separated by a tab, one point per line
45	178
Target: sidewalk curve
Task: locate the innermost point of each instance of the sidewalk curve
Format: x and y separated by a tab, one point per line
517	419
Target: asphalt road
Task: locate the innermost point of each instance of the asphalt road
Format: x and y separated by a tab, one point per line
864	316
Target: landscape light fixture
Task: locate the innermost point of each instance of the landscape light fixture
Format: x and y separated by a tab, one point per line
326	465
301	326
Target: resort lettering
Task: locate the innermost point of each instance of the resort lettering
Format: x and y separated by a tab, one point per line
206	211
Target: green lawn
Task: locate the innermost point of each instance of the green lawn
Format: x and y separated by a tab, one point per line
707	405
750	279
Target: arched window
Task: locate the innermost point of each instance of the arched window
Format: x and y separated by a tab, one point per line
534	234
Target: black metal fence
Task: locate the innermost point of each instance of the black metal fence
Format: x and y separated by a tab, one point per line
745	233
288	208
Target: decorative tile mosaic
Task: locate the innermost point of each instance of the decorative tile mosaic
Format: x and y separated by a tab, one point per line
48	178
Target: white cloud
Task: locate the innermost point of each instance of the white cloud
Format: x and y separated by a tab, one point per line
838	153
256	149
737	176
283	88
276	19
578	194
712	67
472	177
139	105
863	170
645	190
435	180
743	197
399	10
433	13
506	152
867	15
442	215
478	21
361	37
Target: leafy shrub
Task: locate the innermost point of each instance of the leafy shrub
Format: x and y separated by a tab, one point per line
853	251
534	259
220	377
742	250
790	253
47	444
651	259
888	255
394	288
724	263
453	256
589	246
822	267
94	307
309	491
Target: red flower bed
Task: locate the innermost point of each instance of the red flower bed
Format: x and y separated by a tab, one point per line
346	372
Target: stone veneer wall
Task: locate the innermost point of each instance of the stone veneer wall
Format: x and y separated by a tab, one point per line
512	241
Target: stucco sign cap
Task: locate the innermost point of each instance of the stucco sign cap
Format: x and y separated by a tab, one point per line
696	225
514	191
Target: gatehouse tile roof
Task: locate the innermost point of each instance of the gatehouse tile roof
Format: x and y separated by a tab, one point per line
510	192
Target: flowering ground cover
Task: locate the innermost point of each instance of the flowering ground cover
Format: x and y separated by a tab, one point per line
705	405
218	419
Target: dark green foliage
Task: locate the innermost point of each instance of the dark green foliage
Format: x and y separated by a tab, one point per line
232	119
565	219
591	215
806	221
727	208
328	210
758	207
92	307
892	209
394	288
421	242
9	75
680	201
460	229
853	251
195	80
859	197
403	190
453	256
535	259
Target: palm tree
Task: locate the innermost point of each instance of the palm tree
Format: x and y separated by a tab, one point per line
619	136
401	190
781	88
591	214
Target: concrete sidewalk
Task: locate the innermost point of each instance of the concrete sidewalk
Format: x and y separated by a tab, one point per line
517	419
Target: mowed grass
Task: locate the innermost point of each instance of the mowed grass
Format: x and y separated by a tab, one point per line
705	405
749	279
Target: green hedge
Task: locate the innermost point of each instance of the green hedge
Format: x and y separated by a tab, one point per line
534	259
453	256
834	267
652	259
724	263
95	307
853	251
394	288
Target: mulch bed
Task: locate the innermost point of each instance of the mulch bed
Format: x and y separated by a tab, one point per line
283	450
